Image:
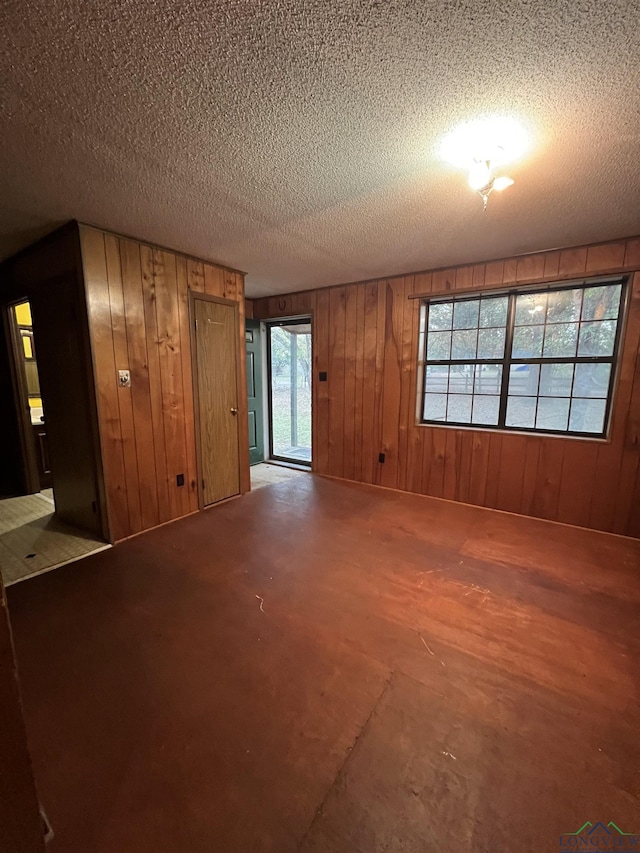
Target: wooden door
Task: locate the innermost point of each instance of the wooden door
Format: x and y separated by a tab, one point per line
254	392
216	334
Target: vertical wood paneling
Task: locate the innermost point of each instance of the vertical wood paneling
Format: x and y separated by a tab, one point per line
511	474
140	384
573	262
368	397
243	405
549	478
337	373
579	466
392	381
407	387
529	475
607	256
99	308
530	268
451	460
494	466
479	467
213	280
420	446
494	273
464	278
381	331
182	281
463	473
155	383
551	264
360	379
321	396
172	392
366	337
125	404
350	344
138	299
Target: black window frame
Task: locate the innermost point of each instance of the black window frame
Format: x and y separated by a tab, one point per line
508	358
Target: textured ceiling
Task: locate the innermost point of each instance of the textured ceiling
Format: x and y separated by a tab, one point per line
298	140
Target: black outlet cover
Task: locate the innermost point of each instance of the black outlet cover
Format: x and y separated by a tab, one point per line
323	376
179	479
380	457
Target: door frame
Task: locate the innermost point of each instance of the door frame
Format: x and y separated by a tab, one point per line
258	325
289	321
31	478
193	296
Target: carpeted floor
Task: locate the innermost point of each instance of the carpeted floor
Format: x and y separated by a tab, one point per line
33	540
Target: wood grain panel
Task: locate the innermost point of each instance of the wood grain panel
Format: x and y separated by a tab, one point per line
359	383
170	360
479	468
369	390
185	367
530	268
510	479
139	320
213	280
243	403
320	390
407	394
155	381
391	381
217	376
99	307
350	344
140	384
125	404
584	482
337	319
378	402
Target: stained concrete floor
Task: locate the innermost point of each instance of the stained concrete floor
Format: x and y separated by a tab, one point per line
323	667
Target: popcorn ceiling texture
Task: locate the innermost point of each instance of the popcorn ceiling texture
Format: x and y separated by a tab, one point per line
298	140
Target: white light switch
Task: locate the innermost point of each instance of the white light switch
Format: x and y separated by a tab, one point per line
124	378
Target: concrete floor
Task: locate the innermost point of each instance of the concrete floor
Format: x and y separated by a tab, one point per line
326	667
267	474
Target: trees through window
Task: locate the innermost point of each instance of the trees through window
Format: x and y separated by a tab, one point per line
535	360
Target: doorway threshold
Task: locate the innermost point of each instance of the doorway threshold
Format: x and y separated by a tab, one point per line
269	474
282	463
34	541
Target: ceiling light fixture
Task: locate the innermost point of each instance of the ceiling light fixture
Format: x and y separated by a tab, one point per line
483	146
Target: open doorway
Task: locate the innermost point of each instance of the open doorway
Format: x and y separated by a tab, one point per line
28	387
34	537
289	360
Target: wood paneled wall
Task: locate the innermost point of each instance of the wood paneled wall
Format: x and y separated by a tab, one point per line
366	338
49	275
138	298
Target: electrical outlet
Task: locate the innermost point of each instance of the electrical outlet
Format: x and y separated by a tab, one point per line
124	378
179	479
323	376
380	457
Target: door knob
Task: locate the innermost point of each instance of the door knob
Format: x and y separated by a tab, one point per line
233	411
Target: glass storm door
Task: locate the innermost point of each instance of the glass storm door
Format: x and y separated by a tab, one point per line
289	352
